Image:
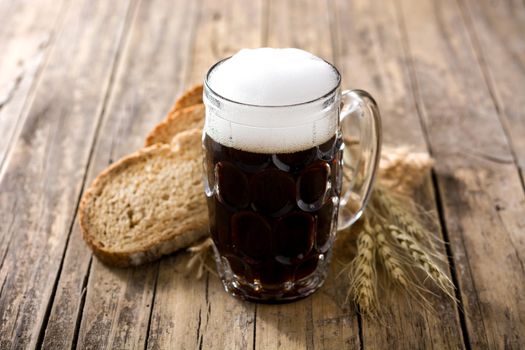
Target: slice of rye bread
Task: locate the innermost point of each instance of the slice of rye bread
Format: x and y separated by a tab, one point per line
148	204
178	120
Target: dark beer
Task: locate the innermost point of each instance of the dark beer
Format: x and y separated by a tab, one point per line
273	217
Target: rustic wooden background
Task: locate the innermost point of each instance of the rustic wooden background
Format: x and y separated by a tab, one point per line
82	81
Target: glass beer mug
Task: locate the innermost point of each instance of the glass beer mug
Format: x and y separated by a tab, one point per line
278	177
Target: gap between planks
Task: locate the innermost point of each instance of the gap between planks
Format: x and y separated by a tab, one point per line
451	263
81	305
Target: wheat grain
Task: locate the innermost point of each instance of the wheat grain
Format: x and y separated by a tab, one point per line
393	210
422	259
399	269
391	262
363	273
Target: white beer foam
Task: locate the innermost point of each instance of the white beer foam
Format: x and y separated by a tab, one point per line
273	77
275	83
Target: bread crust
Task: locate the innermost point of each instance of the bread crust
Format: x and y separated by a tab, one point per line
178	120
191	97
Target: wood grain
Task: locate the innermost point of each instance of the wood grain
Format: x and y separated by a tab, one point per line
181	296
496	32
371	51
27	34
222	30
117	308
64	320
301	24
42	182
197	313
213	319
478	181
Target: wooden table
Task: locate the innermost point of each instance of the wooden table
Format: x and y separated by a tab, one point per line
82	81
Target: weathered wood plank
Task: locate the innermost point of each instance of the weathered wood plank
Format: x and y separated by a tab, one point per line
198	313
334	321
223	28
287	326
229	322
119	316
319	321
372	58
190	313
300	24
118	301
496	30
182	297
41	185
478	181
26	35
64	319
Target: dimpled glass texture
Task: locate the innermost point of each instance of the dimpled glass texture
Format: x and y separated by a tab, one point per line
273	217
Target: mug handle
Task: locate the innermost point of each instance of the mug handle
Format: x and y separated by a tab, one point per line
359	168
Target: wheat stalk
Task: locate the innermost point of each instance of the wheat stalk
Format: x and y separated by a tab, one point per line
362	272
422	259
199	254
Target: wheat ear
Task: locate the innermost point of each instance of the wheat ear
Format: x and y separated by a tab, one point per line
422	260
397	268
392	264
363	273
390	207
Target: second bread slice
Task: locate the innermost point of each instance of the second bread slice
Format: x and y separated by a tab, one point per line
177	121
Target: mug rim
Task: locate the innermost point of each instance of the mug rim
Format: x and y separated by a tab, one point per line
329	93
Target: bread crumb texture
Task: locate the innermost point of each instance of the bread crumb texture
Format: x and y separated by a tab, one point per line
148	204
